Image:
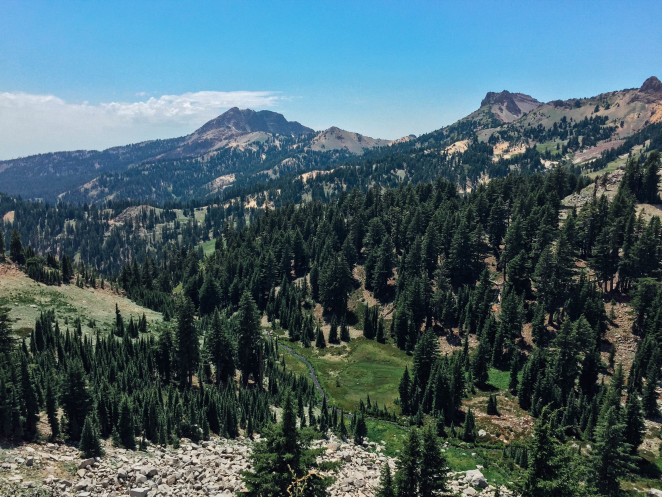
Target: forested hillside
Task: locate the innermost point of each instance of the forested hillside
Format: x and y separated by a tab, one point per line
510	305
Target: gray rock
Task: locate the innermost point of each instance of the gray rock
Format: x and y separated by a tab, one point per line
138	492
85	463
475	478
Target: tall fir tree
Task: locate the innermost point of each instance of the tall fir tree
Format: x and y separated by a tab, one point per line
283	463
408	474
187	344
250	341
90	443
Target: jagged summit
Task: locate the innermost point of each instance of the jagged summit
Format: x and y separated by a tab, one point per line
250	121
651	85
507	106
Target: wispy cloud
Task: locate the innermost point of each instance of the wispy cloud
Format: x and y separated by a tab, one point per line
32	123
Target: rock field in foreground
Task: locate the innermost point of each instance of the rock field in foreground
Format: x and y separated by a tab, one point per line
210	468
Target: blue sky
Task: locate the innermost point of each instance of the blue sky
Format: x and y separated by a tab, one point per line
95	74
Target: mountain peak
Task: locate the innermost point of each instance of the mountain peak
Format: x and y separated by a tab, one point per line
250	121
507	106
652	85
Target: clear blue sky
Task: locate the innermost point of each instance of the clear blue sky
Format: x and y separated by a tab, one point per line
385	69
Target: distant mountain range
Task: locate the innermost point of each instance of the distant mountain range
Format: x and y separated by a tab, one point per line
241	148
53	175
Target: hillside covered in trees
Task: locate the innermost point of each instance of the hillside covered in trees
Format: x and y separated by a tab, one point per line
498	302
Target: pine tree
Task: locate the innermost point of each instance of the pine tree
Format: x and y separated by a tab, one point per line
30	402
119	322
344	330
250	341
469	430
3	247
187	345
635	427
651	178
90	443
51	409
383	269
650	391
210	295
125	426
220	349
611	455
320	342
492	408
385	488
6	338
282	462
552	470
74	399
480	364
434	468
16	248
360	428
408	474
333	331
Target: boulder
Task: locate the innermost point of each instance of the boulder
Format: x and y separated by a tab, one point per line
138	492
476	479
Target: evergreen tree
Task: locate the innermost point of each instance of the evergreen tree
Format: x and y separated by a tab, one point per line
405	393
250	341
434	468
16	248
383	269
386	488
210	295
635	427
408	474
6	338
3	247
74	399
51	409
187	344
469	431
492	408
481	362
611	455
282	462
320	342
651	179
551	470
360	428
344	330
221	349
90	443
125	426
650	391
333	331
30	402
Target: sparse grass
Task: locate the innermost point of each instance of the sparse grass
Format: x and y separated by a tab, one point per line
27	299
393	436
209	246
352	371
499	379
295	365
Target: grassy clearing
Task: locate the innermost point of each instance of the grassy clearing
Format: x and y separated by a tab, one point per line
350	372
209	247
499	379
295	365
392	436
26	299
460	456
